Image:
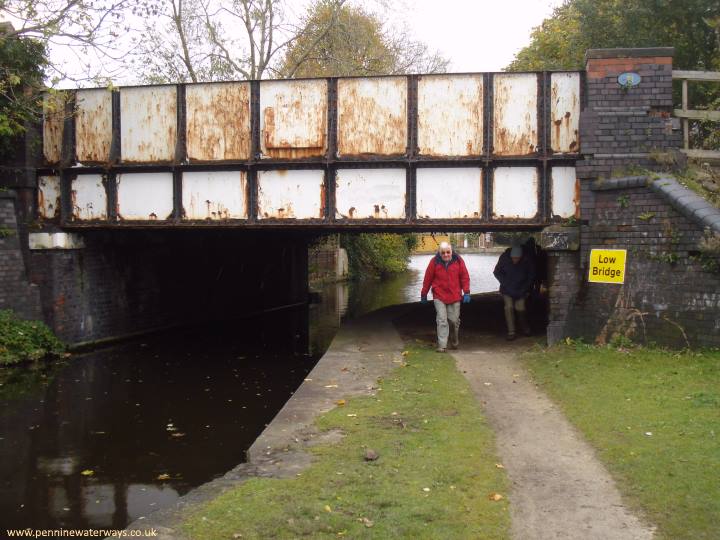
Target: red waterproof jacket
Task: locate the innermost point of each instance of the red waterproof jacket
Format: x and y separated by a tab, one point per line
448	281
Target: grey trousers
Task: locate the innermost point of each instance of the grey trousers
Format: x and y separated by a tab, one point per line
448	323
510	307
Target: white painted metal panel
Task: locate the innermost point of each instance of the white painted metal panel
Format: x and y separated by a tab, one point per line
214	195
218	121
145	196
93	125
293	118
372	116
515	192
89	199
565	192
49	196
298	194
515	131
148	123
449	193
565	112
58	240
450	115
370	193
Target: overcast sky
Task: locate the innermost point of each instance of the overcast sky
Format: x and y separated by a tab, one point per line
477	35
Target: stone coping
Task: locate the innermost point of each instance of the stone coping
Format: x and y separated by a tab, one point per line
640	52
625	182
684	200
688	203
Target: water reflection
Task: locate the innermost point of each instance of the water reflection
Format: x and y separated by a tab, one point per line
113	435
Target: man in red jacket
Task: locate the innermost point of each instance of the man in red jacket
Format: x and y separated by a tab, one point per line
450	282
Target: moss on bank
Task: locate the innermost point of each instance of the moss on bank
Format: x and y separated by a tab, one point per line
22	340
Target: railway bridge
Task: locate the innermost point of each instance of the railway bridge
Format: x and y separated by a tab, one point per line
153	205
472	151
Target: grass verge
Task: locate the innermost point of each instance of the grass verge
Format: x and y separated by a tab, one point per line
654	417
434	477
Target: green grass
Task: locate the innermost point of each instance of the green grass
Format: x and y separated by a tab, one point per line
654	417
436	470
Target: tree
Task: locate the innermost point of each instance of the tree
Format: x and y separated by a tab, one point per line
338	39
86	35
22	69
560	42
211	40
692	27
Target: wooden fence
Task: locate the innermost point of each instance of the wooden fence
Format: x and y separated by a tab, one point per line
693	114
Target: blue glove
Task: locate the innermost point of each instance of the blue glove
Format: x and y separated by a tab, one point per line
423	299
466	298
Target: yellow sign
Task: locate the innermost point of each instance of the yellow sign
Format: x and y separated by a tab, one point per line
607	266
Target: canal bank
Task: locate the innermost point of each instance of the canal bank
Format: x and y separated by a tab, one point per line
363	350
542	454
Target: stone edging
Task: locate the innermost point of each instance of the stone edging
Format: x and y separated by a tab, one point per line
684	200
626	182
688	203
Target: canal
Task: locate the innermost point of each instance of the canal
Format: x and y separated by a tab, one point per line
105	438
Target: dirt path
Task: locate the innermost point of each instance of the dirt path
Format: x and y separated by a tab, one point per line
559	488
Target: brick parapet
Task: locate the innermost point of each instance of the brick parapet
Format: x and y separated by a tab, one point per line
672	288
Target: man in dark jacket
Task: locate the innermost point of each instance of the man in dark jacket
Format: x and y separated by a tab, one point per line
516	273
448	277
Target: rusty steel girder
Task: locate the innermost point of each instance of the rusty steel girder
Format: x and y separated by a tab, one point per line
480	151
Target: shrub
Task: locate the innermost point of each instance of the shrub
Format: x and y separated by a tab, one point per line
375	255
25	340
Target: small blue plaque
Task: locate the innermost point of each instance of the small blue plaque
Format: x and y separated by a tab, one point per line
629	79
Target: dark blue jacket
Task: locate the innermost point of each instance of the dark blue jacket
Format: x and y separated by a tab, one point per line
515	279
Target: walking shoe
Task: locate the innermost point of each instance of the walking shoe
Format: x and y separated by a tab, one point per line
440	349
453	346
510	337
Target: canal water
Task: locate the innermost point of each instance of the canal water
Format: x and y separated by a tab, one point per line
105	438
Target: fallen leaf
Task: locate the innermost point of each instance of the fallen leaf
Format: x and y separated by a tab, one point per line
495	497
163	476
327	508
426	489
368	523
405	353
331	386
87	472
648	433
500	465
352	414
340	402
